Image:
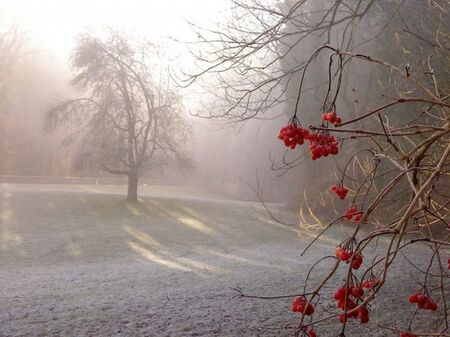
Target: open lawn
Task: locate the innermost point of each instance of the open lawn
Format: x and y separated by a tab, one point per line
78	261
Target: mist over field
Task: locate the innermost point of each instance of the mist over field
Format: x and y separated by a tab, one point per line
224	168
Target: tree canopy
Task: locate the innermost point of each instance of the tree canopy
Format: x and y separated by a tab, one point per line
127	116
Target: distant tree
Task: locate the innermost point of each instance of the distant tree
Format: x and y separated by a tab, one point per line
12	45
12	51
127	117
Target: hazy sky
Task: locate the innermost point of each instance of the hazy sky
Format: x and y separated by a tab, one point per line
54	23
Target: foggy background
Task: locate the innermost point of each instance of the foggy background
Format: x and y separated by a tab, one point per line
227	155
39	37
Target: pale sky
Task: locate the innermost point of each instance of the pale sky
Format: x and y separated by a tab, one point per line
52	24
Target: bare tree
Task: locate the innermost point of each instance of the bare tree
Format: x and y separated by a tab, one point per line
395	182
12	43
128	116
12	54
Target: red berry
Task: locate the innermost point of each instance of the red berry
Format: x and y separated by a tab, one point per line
357	261
301	305
309	309
298	304
363	311
357	217
369	283
363	319
412	298
339	190
342	254
346	256
340	294
427	305
330	117
350	212
407	334
350	304
354	314
357	292
311	333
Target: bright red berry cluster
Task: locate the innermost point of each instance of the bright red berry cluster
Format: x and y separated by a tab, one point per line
341	191
407	334
353	214
322	144
301	305
331	117
293	135
423	301
342	296
345	256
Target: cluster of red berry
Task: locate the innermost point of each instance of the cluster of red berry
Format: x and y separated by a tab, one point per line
321	145
331	117
301	305
345	256
341	191
352	213
342	296
423	301
293	135
407	334
448	263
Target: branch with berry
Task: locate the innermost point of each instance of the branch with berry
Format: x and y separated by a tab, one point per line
411	160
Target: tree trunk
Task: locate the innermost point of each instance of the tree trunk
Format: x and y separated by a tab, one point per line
132	187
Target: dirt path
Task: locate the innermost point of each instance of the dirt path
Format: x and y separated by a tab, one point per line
78	261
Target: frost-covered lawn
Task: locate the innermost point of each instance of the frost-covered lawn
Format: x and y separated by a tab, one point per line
78	261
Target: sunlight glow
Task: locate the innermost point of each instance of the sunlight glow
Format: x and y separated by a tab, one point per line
55	23
196	224
181	263
202	266
133	209
74	249
148	255
8	239
237	258
141	236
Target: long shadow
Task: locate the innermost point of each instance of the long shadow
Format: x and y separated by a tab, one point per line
185	235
